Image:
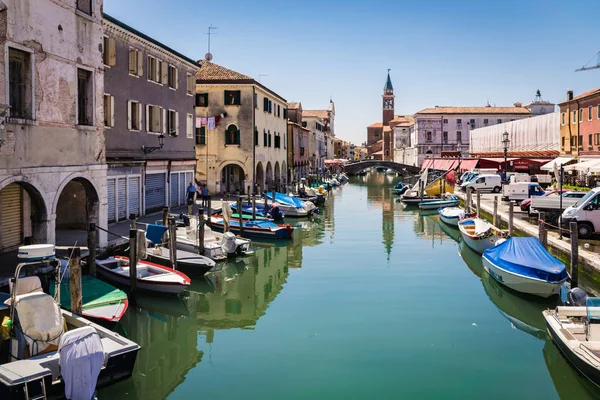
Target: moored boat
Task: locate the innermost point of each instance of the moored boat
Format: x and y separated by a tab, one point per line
479	234
150	276
524	265
261	229
451	215
188	262
292	206
400	188
448	201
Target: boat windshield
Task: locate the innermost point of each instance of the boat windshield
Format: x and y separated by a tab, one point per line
592	305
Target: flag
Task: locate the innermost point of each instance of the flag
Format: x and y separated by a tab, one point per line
451	177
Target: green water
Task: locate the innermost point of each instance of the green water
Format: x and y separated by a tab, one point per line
370	301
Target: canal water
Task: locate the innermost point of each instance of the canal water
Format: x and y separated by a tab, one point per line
371	300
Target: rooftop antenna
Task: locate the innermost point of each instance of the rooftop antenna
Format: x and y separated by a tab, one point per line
260	77
208	56
586	68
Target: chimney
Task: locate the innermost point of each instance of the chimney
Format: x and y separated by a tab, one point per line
518	104
569	95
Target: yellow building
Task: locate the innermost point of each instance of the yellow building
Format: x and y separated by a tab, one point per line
248	141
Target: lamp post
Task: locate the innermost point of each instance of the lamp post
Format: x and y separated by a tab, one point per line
506	142
150	149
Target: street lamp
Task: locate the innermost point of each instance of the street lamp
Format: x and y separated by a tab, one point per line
150	149
506	142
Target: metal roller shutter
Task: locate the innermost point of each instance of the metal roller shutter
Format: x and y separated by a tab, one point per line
155	191
183	184
11	207
110	193
134	195
174	189
122	198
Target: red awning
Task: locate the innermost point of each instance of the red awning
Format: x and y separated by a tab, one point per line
467	165
497	160
442	164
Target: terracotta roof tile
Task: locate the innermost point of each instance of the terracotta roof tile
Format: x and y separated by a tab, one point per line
315	113
402	120
474	110
376	125
293	105
583	95
214	72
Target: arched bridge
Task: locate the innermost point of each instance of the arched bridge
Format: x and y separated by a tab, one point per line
355	167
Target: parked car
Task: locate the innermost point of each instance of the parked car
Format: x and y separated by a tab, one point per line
525	204
483	183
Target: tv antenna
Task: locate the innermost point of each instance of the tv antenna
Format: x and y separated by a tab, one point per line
210	32
260	77
587	68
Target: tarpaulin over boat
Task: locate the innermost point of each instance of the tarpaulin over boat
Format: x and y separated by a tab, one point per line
287	200
527	257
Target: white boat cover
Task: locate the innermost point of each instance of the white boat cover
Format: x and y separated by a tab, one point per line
29	284
228	242
40	320
81	359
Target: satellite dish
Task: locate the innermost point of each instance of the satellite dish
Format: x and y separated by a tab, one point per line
208	57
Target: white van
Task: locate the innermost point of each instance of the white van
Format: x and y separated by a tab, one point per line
484	183
586	212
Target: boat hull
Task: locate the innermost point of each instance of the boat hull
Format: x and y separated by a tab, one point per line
449	220
434	205
479	244
520	283
185	264
259	233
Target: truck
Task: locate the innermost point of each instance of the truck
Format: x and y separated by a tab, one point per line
586	213
551	205
521	191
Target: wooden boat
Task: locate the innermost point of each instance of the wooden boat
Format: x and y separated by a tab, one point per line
150	276
217	246
451	215
576	332
272	212
292	206
400	188
188	262
447	201
254	229
479	234
524	265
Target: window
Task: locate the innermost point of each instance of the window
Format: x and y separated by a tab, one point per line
580	141
581	115
445	136
201	135
84	6
590	110
458	121
255	100
590	140
265	138
485	121
109	111
155	71
265	104
285	113
445	121
562	118
472	122
499	121
173	75
155	119
563	142
278	110
19	83
136	62
597	139
202	100
109	52
270	107
84	97
134	116
269	144
232	98
232	135
458	136
305	124
255	136
598	111
191	84
428	136
573	141
277	141
173	123
189	133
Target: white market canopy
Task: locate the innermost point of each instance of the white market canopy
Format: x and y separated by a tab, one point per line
549	166
585	166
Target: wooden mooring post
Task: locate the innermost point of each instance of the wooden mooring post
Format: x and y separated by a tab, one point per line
200	232
92	244
511	215
75	280
240	213
132	221
574	254
542	232
165	217
495	216
468	202
132	260
254	204
478	203
172	243
208	211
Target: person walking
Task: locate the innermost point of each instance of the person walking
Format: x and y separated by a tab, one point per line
205	196
191	191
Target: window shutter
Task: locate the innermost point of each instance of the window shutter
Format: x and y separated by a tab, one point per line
237	137
147	118
132	62
165	73
164	120
176	78
139	115
176	124
149	65
112	52
266	104
112	111
140	62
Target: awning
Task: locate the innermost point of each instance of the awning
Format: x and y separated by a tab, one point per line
440	164
497	160
549	166
467	165
584	166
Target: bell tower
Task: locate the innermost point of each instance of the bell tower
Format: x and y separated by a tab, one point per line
388	101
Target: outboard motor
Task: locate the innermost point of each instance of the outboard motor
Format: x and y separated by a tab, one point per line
228	243
276	212
576	297
185	219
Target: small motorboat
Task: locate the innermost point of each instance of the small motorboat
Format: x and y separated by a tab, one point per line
272	212
261	229
150	276
524	265
576	333
449	200
479	234
451	215
188	262
411	197
400	188
292	206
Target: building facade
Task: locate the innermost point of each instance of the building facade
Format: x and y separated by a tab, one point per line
242	139
149	122
297	150
52	160
316	141
403	128
580	125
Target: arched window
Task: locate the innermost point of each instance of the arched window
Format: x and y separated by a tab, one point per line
232	135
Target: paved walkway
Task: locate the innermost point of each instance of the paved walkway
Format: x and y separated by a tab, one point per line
588	256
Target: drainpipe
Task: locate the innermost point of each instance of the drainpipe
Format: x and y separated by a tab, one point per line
169	182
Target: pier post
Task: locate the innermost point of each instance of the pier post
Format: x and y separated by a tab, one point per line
75	280
468	202
574	254
172	243
542	233
132	222
248	192
165	221
200	232
495	219
209	207
254	205
265	209
132	260
92	244
421	189
240	213
511	215
478	202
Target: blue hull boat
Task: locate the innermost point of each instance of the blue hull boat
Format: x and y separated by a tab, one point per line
277	215
260	229
293	206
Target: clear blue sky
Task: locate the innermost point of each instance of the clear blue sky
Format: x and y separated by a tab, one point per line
440	52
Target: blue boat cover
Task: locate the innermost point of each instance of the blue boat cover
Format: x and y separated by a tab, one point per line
154	233
527	257
287	200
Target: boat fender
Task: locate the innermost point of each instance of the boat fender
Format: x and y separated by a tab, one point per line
289	230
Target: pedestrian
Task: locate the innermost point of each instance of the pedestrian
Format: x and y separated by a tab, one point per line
191	191
204	196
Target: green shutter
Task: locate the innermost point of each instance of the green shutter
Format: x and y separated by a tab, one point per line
266	104
237	137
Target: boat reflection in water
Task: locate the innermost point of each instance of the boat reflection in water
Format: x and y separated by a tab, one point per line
569	384
472	259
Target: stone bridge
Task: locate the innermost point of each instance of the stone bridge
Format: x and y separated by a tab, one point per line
403	169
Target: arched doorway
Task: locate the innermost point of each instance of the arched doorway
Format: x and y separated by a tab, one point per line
269	177
23	216
260	177
277	177
77	206
232	179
